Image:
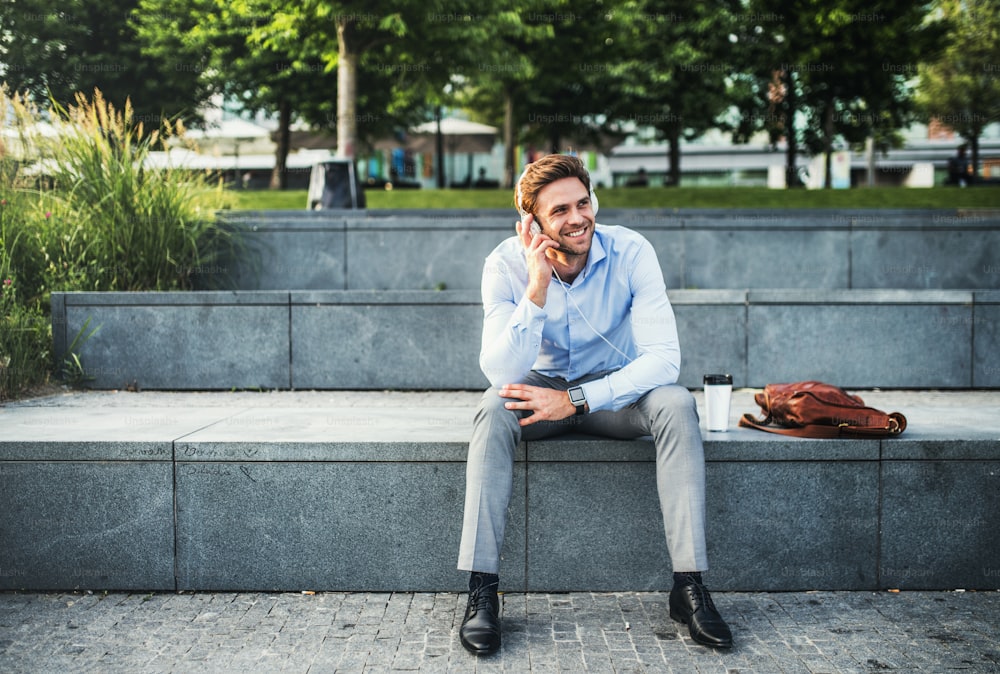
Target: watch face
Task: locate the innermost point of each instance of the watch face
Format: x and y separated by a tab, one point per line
576	396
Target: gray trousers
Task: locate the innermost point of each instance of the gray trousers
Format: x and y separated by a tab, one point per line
667	413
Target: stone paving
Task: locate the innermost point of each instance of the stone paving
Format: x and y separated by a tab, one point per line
812	632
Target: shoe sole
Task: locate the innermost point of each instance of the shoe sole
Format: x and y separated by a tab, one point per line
683	621
479	652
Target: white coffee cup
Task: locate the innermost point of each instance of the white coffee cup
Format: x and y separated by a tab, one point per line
718	392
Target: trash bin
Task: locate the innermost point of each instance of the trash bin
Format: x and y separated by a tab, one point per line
334	184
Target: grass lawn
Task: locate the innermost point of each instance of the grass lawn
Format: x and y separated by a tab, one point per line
660	197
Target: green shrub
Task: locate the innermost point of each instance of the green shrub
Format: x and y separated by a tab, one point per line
79	210
25	334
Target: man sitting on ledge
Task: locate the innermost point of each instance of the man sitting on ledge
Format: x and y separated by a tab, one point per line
579	336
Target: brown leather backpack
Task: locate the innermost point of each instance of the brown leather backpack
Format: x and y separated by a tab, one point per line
812	409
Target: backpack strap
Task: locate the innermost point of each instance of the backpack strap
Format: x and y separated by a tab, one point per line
814	431
897	423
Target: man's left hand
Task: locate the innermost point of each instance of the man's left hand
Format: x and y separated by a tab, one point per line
545	404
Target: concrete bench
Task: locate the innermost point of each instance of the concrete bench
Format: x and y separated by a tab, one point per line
830	249
399	339
363	490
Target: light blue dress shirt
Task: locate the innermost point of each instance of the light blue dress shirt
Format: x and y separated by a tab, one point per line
620	292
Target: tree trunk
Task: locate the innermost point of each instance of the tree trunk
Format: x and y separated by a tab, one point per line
791	170
439	148
509	170
974	142
674	151
828	144
870	160
279	176
347	89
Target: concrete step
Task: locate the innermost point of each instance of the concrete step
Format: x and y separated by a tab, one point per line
398	339
918	249
363	490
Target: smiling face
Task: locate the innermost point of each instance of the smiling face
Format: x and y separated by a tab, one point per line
566	215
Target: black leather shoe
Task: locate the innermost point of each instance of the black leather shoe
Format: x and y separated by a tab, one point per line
480	632
692	605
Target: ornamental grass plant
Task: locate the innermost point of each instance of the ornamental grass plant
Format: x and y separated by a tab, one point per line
25	335
80	210
115	224
25	330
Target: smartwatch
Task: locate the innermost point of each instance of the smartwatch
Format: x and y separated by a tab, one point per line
577	397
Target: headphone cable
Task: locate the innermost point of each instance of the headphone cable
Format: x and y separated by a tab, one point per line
584	316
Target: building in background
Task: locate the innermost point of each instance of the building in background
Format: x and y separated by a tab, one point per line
243	152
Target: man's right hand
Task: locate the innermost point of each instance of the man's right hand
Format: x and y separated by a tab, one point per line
539	265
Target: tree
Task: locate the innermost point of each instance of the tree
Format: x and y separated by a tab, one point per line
833	69
404	48
309	29
862	92
575	92
502	73
546	75
674	69
333	65
220	43
55	49
961	87
428	61
764	93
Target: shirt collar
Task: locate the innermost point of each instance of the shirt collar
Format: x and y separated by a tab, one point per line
597	251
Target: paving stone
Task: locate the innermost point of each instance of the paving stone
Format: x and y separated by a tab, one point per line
814	632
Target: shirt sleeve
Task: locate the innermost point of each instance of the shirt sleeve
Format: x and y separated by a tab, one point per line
512	327
654	329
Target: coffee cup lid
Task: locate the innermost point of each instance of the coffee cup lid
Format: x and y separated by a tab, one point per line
718	379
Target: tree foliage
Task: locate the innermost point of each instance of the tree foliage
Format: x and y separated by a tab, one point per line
500	80
961	86
553	74
676	58
221	43
391	60
830	69
53	49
